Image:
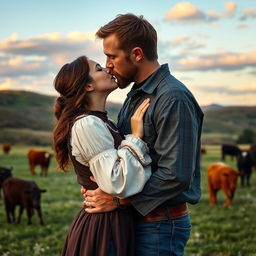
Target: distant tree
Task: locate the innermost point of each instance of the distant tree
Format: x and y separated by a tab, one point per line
247	137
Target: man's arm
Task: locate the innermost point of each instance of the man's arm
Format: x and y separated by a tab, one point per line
176	144
177	125
99	201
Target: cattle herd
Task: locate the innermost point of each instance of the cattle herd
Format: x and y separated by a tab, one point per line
26	194
23	193
222	176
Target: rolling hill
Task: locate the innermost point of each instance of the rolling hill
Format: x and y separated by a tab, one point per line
27	117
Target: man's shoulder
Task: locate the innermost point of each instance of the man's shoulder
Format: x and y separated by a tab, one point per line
171	87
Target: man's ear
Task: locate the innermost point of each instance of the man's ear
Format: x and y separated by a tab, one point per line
89	87
137	54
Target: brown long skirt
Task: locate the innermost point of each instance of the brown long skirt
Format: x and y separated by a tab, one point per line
92	234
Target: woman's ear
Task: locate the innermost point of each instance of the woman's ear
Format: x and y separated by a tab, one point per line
137	54
89	87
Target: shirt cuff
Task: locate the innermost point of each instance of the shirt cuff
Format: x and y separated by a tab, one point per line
138	147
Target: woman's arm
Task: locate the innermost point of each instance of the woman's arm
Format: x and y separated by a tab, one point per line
121	172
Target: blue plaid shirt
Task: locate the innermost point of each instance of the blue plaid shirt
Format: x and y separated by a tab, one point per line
172	131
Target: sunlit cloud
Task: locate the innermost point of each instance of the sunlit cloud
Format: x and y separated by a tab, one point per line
226	94
51	44
179	40
230	8
79	36
44	53
185	12
6	83
43	85
218	61
225	89
242	26
188	44
203	36
212	16
249	13
20	66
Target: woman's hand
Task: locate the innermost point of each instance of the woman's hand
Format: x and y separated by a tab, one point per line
137	119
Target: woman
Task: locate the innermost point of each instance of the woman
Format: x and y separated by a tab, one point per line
120	166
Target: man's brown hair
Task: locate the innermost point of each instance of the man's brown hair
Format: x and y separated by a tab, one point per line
132	31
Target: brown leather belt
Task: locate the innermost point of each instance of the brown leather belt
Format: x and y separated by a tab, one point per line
165	213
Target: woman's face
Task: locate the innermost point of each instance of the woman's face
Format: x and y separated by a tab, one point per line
102	81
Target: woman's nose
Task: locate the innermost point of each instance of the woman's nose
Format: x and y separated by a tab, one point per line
107	70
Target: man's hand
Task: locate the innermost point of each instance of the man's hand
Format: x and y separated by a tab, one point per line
98	201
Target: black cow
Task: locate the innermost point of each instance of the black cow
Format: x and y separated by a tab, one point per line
4	174
252	151
244	165
231	150
24	193
203	150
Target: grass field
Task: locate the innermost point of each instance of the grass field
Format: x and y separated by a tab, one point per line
217	230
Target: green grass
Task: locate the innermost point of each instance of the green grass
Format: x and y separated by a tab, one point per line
217	230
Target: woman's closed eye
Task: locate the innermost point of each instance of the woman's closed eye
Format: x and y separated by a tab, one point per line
99	67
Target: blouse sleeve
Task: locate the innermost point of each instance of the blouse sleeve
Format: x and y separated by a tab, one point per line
121	172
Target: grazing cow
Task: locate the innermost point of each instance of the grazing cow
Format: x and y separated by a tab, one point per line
6	148
244	165
203	150
231	150
37	157
24	193
4	174
221	176
252	151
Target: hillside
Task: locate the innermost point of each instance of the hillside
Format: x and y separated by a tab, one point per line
230	120
27	117
27	110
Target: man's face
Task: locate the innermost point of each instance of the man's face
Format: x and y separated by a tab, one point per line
119	62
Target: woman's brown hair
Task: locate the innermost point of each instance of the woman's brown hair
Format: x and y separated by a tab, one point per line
132	31
70	83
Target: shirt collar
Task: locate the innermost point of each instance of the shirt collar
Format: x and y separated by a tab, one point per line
150	84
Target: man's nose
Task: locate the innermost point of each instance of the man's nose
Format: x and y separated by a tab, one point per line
109	64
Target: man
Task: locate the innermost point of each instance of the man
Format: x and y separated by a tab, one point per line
172	131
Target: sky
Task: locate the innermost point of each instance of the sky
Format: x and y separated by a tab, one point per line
209	45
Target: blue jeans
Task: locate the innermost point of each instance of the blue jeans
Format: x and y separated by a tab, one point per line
163	237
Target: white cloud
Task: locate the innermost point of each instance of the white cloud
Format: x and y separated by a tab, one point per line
230	8
249	13
179	40
242	26
185	12
20	66
212	16
45	53
222	61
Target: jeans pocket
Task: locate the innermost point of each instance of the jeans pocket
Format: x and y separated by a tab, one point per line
180	234
182	223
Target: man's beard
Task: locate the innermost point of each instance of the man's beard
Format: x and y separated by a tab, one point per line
124	82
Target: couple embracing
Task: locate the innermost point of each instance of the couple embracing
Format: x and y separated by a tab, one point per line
139	174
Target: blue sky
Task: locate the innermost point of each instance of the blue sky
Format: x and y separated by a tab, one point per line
209	45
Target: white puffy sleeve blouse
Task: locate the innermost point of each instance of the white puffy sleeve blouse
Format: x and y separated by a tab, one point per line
120	172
